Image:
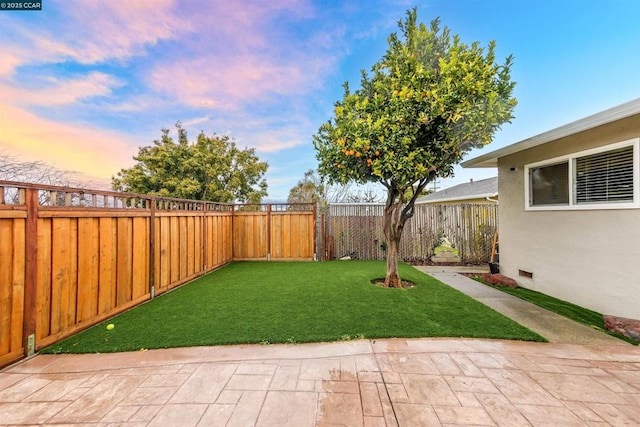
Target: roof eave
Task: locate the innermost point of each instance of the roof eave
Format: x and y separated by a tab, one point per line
455	199
490	160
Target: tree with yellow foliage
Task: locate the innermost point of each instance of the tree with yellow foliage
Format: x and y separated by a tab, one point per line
424	105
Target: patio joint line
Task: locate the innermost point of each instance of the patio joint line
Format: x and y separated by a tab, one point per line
384	382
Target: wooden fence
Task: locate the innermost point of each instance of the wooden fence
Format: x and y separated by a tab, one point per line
356	230
274	231
70	258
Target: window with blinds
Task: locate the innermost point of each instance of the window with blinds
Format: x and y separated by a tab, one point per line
605	177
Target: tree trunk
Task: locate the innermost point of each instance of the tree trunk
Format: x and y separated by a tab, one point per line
392	280
393	225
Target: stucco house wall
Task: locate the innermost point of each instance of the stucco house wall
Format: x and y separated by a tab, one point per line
589	257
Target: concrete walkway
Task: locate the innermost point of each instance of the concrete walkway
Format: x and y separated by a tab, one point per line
555	328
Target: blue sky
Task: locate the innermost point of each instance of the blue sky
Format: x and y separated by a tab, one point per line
84	83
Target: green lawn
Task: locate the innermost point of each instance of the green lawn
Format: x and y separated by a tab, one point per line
279	302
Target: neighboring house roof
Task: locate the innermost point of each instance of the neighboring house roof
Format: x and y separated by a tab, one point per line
490	160
469	190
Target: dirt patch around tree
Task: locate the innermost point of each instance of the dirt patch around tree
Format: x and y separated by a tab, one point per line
406	284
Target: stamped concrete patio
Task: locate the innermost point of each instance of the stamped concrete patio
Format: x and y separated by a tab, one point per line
419	382
390	382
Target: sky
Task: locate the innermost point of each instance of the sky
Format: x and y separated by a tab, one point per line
85	83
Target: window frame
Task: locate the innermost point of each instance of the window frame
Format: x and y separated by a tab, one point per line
571	160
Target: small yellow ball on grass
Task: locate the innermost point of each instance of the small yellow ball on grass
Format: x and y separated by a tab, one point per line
110	326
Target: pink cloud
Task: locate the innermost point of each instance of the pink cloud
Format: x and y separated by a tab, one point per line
240	80
268	137
9	60
93	32
95	153
228	53
242	22
238	54
196	121
62	92
120	28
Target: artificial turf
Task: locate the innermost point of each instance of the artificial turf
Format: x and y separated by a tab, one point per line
280	302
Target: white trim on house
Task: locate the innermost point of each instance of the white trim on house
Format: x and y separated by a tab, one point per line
472	190
455	199
490	160
570	159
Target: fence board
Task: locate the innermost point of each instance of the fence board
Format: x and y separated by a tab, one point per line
88	273
194	242
60	273
43	323
165	252
125	258
210	241
108	265
250	232
140	256
220	245
12	263
174	251
279	243
6	283
294	226
184	248
18	284
293	235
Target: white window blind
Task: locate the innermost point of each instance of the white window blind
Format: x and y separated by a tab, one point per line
604	177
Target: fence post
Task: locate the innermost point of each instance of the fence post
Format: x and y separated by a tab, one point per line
152	247
203	234
30	273
233	232
323	241
315	232
269	232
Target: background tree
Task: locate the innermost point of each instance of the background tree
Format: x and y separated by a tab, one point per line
212	168
313	189
425	104
310	189
34	172
37	172
364	194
